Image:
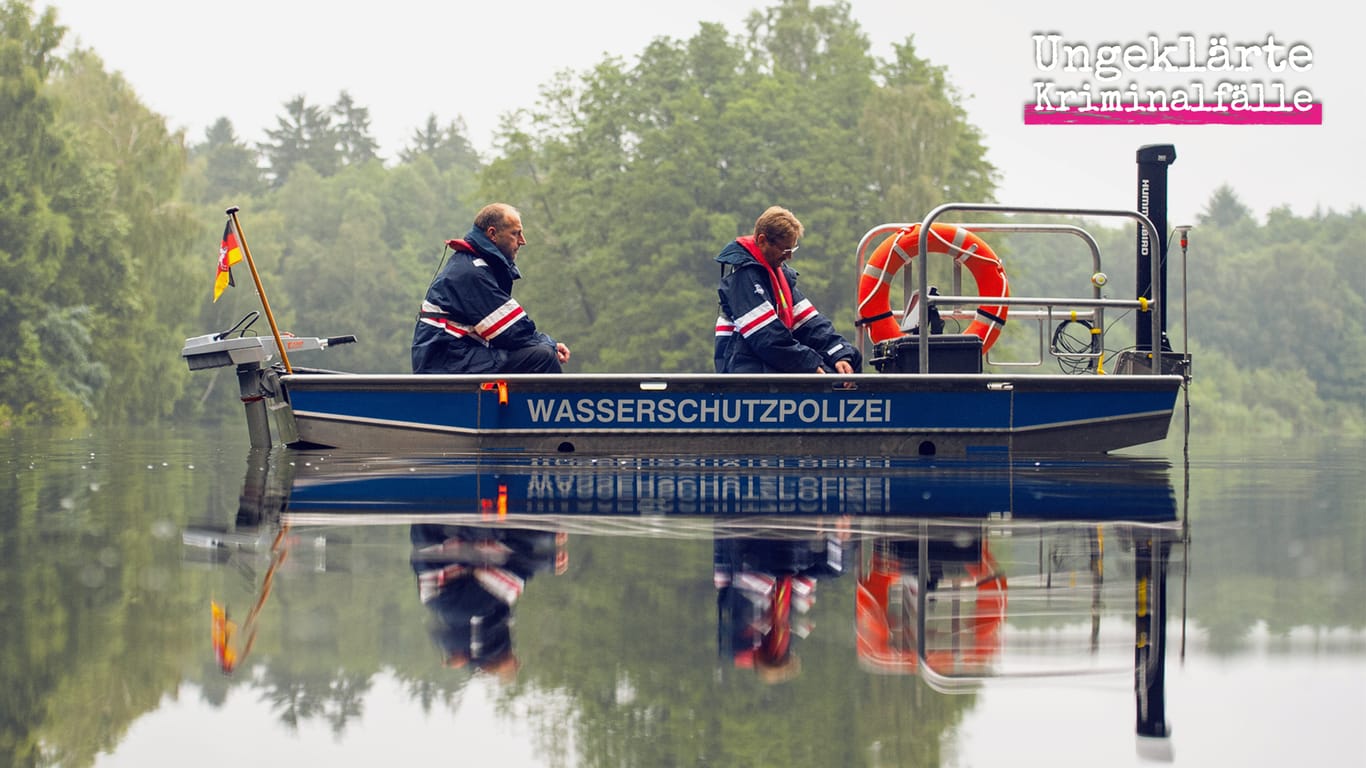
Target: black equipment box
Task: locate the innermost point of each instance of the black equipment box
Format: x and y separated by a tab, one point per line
1130	361
949	353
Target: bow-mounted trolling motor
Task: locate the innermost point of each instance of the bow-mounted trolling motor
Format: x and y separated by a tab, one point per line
256	377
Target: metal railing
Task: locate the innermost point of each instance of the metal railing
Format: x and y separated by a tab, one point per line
1044	309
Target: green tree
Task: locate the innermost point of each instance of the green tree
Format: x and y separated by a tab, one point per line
431	195
227	168
43	183
133	254
304	135
1300	278
924	152
1224	209
352	131
446	146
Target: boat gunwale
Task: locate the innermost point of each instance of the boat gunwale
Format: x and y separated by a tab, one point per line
768	381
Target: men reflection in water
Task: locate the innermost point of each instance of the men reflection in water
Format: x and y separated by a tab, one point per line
469	577
764	589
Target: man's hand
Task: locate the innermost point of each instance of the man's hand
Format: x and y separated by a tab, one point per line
562	352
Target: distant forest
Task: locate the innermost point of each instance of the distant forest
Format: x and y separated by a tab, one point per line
630	177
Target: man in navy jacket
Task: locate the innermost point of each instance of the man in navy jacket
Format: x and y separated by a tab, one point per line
766	325
469	321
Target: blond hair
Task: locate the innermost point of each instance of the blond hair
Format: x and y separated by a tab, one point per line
778	225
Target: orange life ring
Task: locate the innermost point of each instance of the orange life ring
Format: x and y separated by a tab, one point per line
875	626
874	289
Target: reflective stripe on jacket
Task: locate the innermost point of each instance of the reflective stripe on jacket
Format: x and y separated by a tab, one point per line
469	320
751	339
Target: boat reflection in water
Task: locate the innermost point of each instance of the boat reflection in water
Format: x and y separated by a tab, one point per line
942	604
965	573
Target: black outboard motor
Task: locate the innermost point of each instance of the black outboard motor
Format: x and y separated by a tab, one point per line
1153	160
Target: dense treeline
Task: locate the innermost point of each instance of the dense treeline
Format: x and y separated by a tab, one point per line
630	176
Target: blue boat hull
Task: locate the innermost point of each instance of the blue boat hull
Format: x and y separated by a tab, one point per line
869	414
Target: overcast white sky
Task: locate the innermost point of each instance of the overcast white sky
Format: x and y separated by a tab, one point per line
194	61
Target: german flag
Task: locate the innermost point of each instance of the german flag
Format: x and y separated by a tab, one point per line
229	253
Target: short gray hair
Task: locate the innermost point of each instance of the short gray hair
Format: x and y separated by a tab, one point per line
494	215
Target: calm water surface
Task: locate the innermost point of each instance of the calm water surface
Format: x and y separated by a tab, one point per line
1154	609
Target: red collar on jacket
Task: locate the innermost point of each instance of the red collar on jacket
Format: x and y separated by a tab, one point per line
776	278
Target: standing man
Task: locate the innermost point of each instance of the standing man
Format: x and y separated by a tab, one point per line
469	321
766	324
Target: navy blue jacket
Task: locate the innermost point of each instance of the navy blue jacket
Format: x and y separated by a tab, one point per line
469	320
750	337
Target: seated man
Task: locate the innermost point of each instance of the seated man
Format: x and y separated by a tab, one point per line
766	324
469	321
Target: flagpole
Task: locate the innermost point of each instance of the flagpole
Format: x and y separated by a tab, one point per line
265	305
